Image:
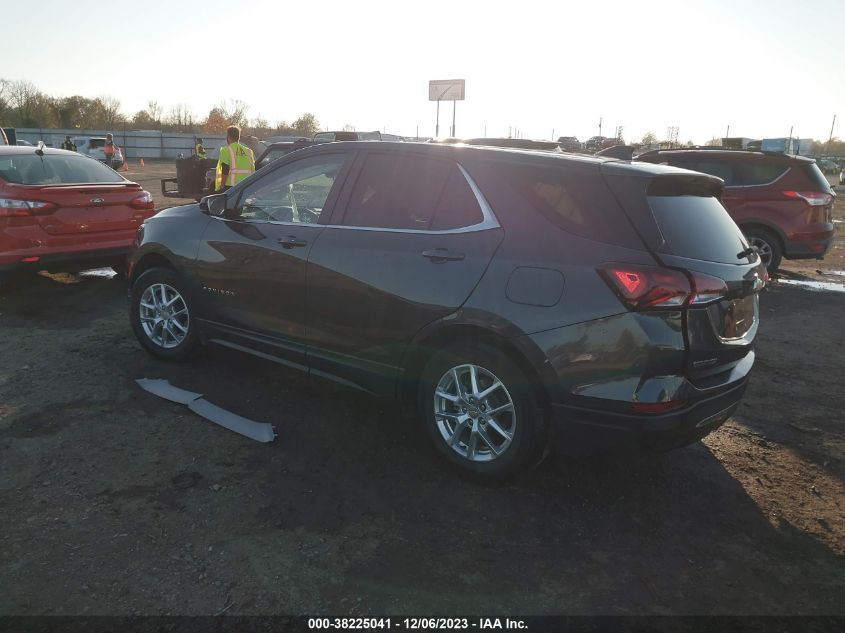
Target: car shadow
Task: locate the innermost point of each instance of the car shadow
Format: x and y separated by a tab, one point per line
60	300
671	534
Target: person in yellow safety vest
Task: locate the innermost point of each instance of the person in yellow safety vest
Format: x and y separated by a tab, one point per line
200	149
235	161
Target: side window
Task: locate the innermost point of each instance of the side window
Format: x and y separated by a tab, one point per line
723	169
577	200
458	206
293	193
761	173
397	192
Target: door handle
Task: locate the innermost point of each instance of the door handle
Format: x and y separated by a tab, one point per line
291	241
443	255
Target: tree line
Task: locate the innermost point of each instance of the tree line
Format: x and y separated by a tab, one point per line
22	104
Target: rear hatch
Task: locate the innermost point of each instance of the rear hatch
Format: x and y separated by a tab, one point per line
79	194
681	220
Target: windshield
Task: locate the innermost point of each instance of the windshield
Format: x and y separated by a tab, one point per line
55	169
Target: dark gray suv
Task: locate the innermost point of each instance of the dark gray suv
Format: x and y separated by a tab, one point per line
516	297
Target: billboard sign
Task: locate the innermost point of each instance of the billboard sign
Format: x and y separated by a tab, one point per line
446	90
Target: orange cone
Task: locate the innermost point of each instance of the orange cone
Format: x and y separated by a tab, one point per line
142	163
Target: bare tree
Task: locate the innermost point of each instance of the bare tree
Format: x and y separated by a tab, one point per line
5	107
348	128
155	110
23	96
180	117
110	111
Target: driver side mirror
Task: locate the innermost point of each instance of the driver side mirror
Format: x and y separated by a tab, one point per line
214	205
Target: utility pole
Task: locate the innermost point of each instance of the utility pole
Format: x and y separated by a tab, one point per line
830	138
453	117
728	133
437	126
600	120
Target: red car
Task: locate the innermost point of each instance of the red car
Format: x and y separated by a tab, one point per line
61	210
782	203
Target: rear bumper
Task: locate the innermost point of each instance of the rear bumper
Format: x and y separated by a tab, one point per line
808	245
603	426
68	261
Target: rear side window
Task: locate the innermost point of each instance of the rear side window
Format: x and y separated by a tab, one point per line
817	177
411	192
760	173
458	206
577	200
52	169
697	227
722	169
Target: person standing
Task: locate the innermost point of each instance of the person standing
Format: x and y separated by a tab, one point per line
235	161
109	150
200	150
68	144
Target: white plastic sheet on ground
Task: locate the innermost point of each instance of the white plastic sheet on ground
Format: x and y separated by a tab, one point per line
258	431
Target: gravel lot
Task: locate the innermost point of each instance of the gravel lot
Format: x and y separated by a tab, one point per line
117	502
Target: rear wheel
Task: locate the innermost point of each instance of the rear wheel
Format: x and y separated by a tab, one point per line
481	412
768	247
161	316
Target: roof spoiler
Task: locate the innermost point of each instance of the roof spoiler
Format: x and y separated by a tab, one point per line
622	152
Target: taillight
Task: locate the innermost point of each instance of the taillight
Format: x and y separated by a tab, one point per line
642	287
14	208
706	289
813	198
143	201
650	287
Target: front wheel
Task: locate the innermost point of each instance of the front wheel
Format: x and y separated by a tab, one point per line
161	315
481	412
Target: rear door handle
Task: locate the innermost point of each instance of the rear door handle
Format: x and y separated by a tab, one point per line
291	241
443	255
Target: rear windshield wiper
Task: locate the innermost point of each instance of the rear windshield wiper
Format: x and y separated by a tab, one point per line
748	251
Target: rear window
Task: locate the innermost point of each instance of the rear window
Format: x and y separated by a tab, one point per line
698	227
576	200
55	169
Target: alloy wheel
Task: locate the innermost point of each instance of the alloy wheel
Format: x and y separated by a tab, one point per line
764	249
474	412
164	315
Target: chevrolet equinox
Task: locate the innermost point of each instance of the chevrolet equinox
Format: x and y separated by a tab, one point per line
516	297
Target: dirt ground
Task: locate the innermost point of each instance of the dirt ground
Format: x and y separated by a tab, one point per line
117	502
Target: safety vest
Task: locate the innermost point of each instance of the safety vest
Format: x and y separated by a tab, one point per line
241	164
200	151
109	148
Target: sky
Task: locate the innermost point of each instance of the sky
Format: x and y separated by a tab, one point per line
556	68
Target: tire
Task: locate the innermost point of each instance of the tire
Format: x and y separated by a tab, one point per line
169	335
506	444
771	251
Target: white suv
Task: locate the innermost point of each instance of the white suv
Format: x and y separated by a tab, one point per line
93	146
